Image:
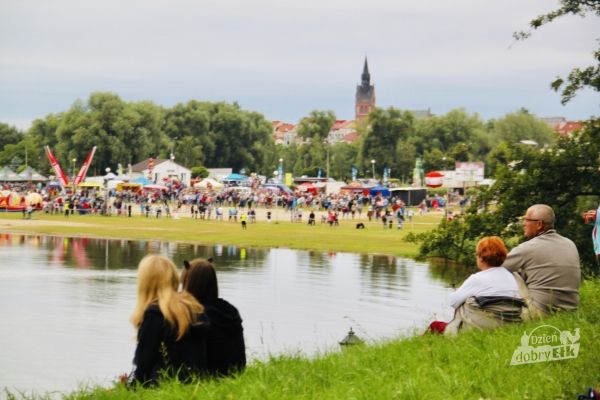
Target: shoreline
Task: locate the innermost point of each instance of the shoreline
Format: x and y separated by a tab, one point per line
282	233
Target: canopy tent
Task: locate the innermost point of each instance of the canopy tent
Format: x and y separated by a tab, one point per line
235	178
90	185
8	175
308	187
382	190
135	187
434	179
109	176
142	180
411	196
112	184
30	174
208	183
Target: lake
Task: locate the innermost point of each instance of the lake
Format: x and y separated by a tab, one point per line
66	303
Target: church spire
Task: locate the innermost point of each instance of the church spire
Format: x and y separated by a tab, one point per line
366	77
365	94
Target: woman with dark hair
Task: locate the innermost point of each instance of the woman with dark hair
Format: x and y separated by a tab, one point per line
226	351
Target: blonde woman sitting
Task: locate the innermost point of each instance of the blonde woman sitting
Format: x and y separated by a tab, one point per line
171	326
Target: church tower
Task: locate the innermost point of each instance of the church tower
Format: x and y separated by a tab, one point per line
365	94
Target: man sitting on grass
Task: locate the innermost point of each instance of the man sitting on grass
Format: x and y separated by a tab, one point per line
547	262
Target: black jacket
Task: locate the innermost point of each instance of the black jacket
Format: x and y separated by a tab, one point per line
158	350
226	351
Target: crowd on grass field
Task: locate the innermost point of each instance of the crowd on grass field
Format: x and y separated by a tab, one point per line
230	203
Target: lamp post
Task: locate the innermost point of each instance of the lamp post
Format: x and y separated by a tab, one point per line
73	161
172	156
280	170
373	167
106	179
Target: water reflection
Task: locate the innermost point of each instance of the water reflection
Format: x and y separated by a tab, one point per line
74	296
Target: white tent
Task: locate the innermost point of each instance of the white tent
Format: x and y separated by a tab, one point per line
208	182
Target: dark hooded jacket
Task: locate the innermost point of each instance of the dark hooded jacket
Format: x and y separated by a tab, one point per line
226	351
158	350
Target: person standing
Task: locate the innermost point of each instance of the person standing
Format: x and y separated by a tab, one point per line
547	262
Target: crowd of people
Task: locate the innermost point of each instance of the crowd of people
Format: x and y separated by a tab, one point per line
231	204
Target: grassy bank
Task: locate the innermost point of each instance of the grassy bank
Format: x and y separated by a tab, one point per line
474	365
322	237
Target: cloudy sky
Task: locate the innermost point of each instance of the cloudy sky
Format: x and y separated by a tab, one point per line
285	58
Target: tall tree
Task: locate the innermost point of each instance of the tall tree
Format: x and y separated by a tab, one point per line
384	130
521	125
9	135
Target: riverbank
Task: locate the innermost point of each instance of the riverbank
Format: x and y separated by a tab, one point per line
280	232
473	365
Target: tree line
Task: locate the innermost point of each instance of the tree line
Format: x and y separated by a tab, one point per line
212	135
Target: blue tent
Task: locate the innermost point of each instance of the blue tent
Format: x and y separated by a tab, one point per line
142	180
235	177
379	190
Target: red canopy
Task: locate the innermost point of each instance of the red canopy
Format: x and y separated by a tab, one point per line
434	179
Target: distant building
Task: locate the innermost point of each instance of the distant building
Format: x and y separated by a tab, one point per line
422	114
161	171
365	94
284	133
562	126
342	131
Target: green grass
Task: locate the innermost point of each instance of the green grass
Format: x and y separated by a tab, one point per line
473	365
322	237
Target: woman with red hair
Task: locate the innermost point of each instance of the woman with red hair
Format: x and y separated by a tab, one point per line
487	298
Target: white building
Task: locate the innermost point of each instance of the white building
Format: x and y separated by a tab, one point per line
162	169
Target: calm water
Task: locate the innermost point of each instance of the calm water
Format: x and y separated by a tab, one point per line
66	303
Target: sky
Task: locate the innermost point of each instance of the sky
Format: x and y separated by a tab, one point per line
284	58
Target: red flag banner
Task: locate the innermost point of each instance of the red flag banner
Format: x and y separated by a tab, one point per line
60	175
84	168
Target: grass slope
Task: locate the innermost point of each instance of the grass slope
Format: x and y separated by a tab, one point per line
473	365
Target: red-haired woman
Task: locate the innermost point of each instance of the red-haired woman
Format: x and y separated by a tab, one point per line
488	298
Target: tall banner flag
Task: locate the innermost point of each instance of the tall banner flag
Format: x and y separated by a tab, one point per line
60	175
596	233
385	175
84	168
354	172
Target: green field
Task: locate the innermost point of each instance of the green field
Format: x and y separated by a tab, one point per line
343	238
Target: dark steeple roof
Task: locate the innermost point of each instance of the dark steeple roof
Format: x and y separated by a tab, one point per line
366	77
365	92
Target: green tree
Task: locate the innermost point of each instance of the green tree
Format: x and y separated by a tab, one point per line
316	126
9	135
379	140
521	125
530	178
578	78
199	172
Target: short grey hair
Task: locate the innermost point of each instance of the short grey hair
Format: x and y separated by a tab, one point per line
544	213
